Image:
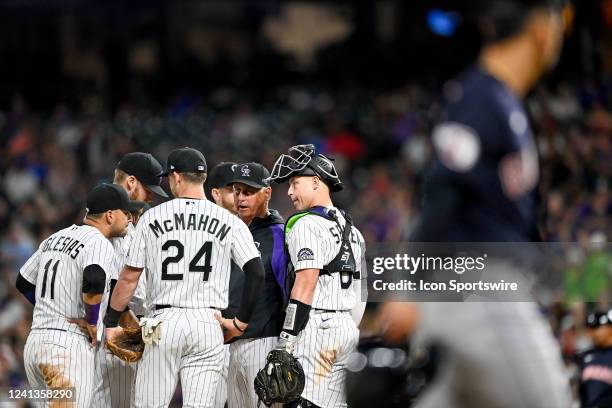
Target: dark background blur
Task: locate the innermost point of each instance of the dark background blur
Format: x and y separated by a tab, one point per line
148	51
84	82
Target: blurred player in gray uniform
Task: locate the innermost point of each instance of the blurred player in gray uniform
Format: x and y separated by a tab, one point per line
252	193
325	252
483	188
185	246
219	183
139	174
65	280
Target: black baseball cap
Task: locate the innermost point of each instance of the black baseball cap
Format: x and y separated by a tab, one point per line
185	160
145	168
221	175
599	318
105	197
251	174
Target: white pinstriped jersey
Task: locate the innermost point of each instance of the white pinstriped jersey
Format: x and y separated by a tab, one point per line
313	242
186	247
56	269
122	247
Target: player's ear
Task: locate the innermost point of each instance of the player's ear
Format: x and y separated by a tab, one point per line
215	194
315	183
109	216
130	183
268	192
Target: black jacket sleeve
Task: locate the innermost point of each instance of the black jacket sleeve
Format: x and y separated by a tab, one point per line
254	280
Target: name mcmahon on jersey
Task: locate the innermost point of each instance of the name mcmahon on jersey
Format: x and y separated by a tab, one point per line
204	223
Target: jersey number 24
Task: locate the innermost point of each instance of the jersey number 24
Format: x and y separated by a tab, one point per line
205	252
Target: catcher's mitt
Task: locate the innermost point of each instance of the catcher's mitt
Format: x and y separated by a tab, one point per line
281	380
129	345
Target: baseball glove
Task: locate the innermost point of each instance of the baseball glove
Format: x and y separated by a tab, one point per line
281	380
129	345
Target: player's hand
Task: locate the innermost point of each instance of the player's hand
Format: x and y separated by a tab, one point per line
89	330
111	333
229	328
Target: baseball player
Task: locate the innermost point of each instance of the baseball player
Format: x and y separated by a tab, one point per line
219	184
65	280
325	252
595	364
185	245
138	173
252	193
483	188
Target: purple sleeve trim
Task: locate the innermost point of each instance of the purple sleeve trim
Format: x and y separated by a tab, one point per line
279	262
31	296
92	312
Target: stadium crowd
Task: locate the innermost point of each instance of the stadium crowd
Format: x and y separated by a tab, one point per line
380	143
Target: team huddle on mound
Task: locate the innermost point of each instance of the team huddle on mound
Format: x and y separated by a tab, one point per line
240	306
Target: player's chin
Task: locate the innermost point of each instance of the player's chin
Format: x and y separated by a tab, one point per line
244	211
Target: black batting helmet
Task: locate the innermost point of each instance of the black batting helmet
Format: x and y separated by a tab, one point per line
303	160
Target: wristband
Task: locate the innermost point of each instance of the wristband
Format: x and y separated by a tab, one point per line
296	317
112	317
92	312
236	325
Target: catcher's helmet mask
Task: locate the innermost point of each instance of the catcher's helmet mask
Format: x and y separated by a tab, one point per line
303	160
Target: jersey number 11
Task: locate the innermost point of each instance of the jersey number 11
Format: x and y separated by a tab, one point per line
43	291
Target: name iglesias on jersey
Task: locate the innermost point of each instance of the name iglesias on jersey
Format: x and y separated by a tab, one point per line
64	244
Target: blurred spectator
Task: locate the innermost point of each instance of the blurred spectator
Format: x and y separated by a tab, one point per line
596	365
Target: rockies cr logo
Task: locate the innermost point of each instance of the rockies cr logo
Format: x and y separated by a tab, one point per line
246	172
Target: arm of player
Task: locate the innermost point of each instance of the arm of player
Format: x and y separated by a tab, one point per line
26	279
27	289
305	285
123	292
125	287
307	250
246	256
128	318
94	283
298	310
254	279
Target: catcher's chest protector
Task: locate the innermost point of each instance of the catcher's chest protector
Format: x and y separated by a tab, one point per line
343	263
